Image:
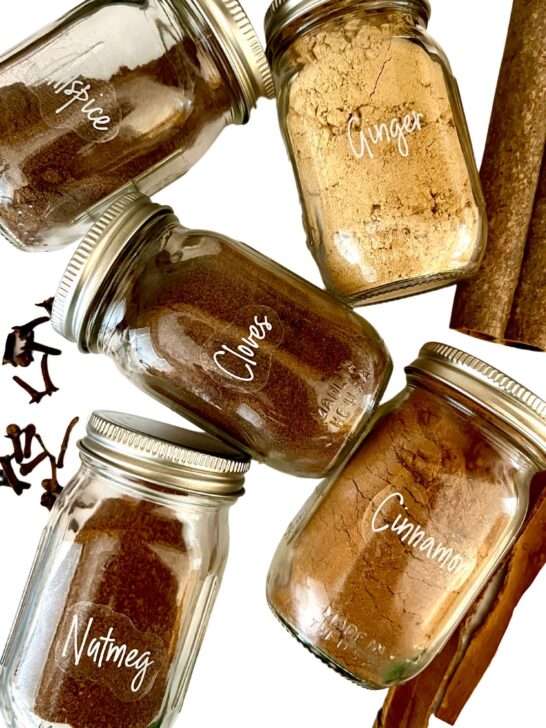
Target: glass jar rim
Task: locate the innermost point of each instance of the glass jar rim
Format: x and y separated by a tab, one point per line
282	13
492	390
240	45
170	456
99	252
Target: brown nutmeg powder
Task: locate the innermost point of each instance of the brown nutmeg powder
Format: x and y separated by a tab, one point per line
384	175
132	576
381	565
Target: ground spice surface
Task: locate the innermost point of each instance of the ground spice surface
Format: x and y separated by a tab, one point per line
378	595
383	176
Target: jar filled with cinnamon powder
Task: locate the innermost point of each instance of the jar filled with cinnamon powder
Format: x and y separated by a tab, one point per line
124	580
116	94
387	556
375	129
224	336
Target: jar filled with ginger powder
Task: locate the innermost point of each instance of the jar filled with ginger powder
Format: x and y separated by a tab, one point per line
375	129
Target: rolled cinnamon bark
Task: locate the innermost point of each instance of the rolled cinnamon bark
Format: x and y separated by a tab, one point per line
444	688
526	561
527	325
509	173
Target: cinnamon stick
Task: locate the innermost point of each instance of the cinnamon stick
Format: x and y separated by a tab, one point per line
527	325
445	686
509	173
526	560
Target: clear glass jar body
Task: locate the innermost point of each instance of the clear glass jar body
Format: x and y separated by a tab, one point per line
114	94
241	346
387	556
122	562
375	129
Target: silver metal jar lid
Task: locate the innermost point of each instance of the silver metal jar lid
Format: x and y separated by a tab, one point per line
164	454
93	260
488	387
239	41
282	13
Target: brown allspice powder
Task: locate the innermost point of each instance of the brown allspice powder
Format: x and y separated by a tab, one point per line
56	174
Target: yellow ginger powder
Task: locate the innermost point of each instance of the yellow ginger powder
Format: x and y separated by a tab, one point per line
382	172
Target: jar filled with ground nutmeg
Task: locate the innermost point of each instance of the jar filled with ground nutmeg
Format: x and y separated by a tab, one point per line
124	581
376	132
117	94
387	556
224	336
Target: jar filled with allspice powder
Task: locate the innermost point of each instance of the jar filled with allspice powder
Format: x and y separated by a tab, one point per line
375	129
124	581
117	94
387	556
224	336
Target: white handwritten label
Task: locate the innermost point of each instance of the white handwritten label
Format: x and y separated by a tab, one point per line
74	91
363	141
80	92
413	535
241	354
98	644
228	359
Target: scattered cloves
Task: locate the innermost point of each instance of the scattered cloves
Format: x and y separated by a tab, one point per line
21	347
22	455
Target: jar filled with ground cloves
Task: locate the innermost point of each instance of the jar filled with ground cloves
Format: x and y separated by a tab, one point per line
224	336
375	129
386	557
117	94
124	581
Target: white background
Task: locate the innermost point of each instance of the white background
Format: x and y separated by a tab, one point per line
250	672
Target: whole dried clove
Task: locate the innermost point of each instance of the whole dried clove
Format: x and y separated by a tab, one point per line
30	434
18	486
17	351
13	433
27	330
35	396
9	349
47	305
66	439
44	349
48	500
50	388
28	467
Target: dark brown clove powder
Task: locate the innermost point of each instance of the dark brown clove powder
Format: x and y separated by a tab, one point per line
130	576
247	349
52	174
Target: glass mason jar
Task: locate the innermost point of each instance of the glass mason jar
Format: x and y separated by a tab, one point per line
115	94
375	129
124	580
386	557
224	336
